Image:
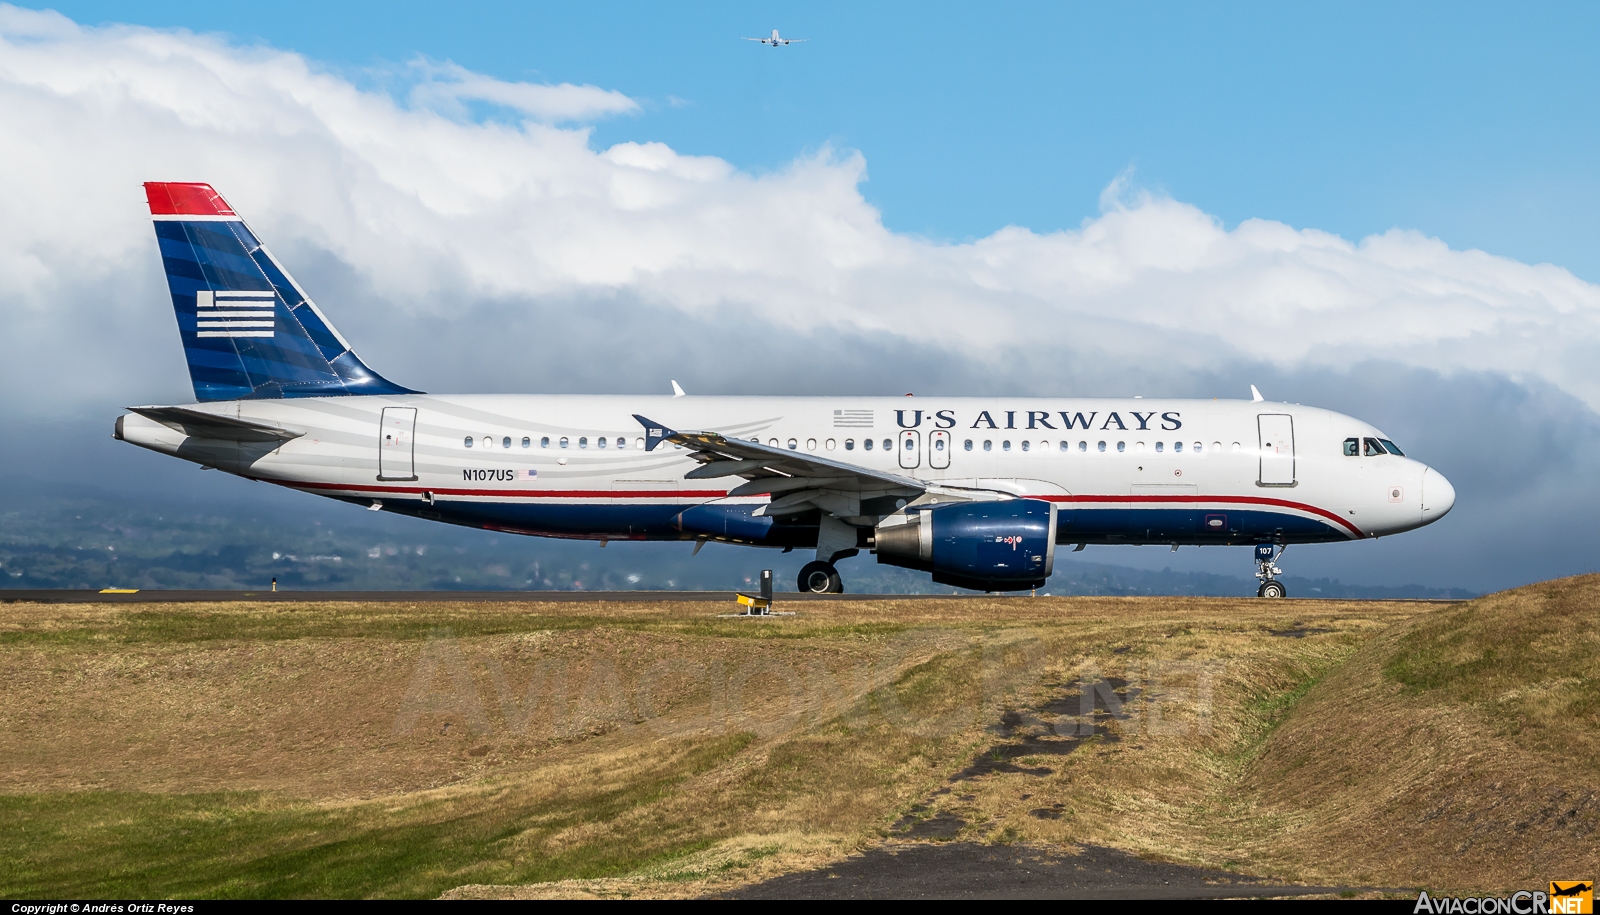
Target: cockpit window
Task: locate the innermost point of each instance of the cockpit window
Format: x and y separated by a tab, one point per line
1352	447
1392	448
1373	449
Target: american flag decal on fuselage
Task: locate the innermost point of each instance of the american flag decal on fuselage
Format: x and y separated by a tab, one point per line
235	312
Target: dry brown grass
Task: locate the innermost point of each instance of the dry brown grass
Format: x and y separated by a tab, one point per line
656	750
1460	750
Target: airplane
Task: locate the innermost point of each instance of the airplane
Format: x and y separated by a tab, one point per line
979	492
777	39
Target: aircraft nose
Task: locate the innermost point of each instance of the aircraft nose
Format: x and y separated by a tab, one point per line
1438	496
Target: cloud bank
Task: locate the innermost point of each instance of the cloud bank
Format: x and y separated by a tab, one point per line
457	251
432	211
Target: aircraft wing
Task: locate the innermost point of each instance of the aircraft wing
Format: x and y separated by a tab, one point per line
200	424
797	481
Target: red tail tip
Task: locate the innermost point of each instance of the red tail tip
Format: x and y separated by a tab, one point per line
183	198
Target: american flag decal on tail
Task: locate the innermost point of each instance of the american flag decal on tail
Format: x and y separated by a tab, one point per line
235	313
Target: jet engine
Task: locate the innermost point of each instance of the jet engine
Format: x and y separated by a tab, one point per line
986	546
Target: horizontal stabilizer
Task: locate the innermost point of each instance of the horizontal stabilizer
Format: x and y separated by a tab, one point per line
200	424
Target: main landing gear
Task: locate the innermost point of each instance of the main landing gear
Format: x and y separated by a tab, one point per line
820	577
1266	568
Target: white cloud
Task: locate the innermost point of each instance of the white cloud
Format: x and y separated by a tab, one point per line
433	211
445	86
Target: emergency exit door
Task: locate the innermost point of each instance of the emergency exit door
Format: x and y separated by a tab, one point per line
397	458
1277	449
910	449
939	450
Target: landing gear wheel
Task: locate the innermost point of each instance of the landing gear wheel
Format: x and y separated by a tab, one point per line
1272	589
820	578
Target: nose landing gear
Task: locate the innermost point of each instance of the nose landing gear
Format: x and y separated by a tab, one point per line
1266	568
820	578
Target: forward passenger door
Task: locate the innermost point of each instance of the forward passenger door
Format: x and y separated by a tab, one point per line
1277	449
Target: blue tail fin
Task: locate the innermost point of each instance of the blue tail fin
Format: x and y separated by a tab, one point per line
248	331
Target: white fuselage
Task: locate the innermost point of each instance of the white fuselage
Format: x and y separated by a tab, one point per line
1126	471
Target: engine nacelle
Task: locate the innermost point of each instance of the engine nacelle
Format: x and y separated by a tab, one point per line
986	546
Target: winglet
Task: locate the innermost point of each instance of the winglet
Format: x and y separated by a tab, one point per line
654	432
677	390
1255	395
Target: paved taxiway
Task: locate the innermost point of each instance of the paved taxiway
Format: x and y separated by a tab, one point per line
76	596
86	596
968	870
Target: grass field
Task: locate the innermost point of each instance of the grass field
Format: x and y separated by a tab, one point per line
290	750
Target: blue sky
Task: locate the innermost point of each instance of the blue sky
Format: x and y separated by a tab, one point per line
1475	123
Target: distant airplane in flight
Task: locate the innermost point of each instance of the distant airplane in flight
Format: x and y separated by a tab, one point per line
777	39
977	491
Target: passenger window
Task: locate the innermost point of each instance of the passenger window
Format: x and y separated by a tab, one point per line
1176	446
1122	446
1235	448
793	445
866	443
505	442
1005	445
1352	447
527	442
1160	445
583	441
811	444
622	442
938	444
601	441
967	444
467	441
638	444
1373	448
1024	446
830	444
888	445
988	445
1197	448
1102	446
849	444
544	441
1066	446
1083	446
563	441
1391	447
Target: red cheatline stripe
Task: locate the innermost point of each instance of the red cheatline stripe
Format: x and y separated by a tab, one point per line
182	198
719	494
1226	500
